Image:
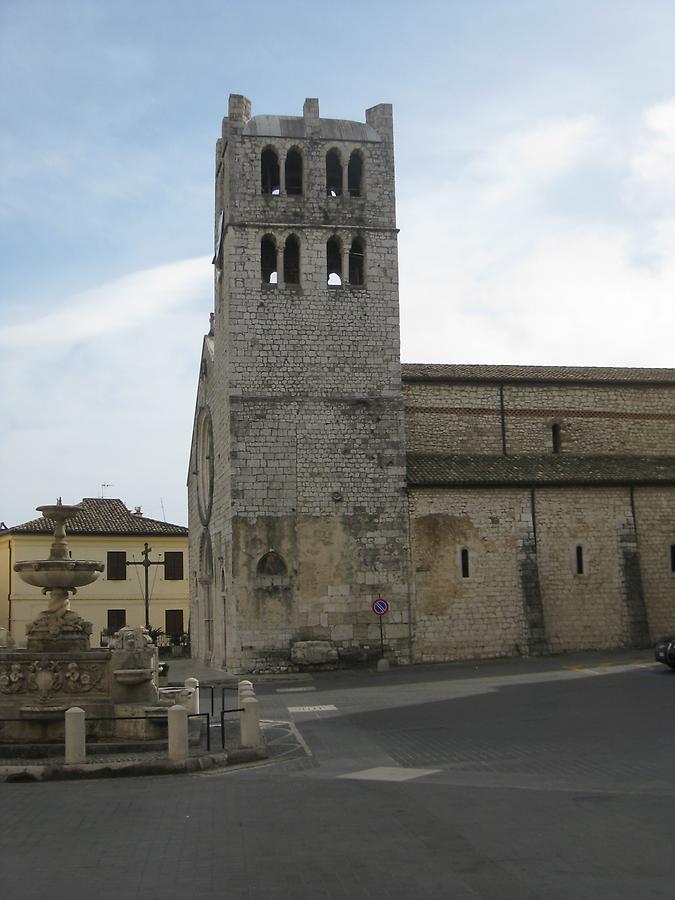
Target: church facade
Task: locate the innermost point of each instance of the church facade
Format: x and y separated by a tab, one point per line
500	510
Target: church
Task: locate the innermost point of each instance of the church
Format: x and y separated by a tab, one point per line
500	510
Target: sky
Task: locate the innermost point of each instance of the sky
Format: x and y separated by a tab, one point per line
535	166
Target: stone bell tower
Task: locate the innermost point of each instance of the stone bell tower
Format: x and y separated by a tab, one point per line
298	513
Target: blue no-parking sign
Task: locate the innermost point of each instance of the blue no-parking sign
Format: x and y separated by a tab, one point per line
380	607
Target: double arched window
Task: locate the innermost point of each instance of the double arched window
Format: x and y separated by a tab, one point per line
355	261
287	177
271	180
269	265
335	175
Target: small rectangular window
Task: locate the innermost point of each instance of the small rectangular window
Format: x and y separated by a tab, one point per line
117	618
173	565
672	557
580	560
173	619
116	565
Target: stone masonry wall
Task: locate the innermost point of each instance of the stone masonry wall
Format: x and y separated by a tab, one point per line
523	594
655	521
594	419
310	459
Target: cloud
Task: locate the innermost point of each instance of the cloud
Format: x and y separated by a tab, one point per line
119	305
501	263
655	161
521	161
102	390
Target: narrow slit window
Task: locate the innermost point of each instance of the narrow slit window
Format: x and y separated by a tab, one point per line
293	172
465	562
334	261
672	557
355	174
268	260
269	171
292	260
555	438
333	174
356	262
580	559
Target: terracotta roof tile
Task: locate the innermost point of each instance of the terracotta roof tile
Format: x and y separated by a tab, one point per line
103	516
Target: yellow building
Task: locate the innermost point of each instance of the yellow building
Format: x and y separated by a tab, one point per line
104	530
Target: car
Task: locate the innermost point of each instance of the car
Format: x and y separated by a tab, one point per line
664	651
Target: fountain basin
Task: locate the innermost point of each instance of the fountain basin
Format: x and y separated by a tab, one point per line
132	676
58	573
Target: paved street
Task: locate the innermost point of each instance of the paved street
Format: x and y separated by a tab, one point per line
526	779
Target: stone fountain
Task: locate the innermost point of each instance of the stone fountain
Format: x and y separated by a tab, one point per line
58	669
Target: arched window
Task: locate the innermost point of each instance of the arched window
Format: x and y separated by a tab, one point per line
271	563
356	262
333	174
334	260
555	437
355	174
293	171
292	260
268	260
269	171
464	556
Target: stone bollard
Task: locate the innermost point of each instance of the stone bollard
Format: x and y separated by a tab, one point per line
191	684
76	744
178	733
250	736
244	689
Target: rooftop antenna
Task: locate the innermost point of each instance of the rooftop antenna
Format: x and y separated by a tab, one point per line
161	503
104	486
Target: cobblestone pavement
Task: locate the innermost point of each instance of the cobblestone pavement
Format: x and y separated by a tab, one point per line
552	781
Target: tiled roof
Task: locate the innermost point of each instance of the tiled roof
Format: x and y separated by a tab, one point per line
538	470
103	516
562	374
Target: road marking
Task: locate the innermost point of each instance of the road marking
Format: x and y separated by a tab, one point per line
297	690
326	708
389	773
610	668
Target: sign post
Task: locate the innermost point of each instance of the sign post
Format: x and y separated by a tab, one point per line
380	607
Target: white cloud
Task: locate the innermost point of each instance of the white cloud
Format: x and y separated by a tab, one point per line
494	268
102	390
655	161
522	160
119	305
